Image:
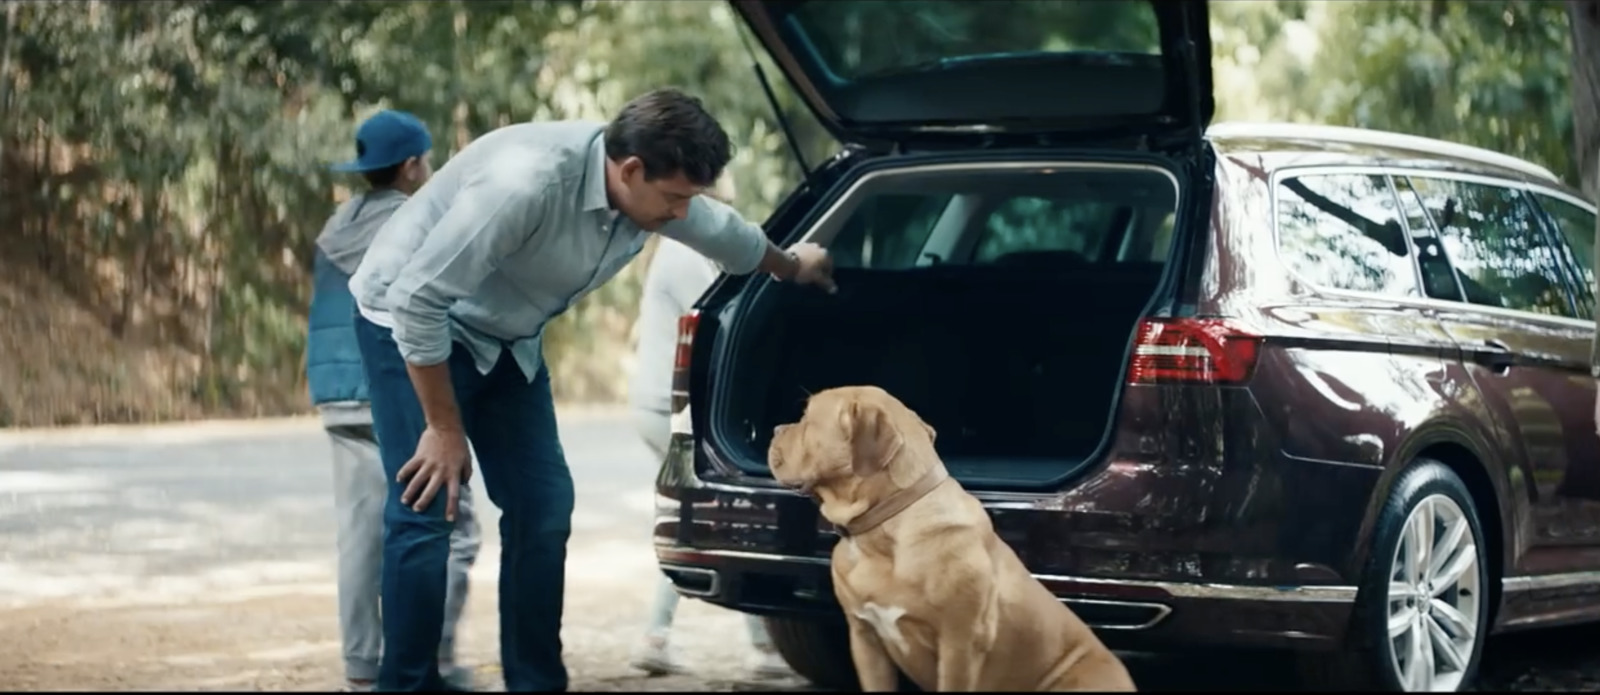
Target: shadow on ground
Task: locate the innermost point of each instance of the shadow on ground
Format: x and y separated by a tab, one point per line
1562	659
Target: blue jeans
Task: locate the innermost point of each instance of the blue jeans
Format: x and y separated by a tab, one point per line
511	423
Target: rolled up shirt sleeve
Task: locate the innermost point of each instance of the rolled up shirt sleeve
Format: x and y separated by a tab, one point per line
717	231
487	221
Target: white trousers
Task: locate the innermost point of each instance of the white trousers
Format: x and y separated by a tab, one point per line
655	428
360	489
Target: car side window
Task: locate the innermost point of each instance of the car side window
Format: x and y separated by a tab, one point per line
1342	231
1034	220
1438	278
1500	253
1026	223
887	231
1576	226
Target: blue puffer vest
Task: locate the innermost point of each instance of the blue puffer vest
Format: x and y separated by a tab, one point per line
333	360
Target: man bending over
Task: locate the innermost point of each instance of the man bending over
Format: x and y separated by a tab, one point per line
454	296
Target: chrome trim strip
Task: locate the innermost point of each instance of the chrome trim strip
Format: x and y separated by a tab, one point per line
1239	592
751	485
716	580
827	222
1563	321
1550	581
1414	302
1563	195
1381	138
1162	611
746	555
1232	592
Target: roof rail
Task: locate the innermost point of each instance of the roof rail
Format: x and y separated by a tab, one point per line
1381	138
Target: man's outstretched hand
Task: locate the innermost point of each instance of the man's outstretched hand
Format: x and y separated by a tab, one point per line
442	460
816	266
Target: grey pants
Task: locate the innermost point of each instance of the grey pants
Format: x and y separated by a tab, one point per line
359	493
655	429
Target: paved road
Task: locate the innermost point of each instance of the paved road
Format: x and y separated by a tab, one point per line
97	523
201	557
171	506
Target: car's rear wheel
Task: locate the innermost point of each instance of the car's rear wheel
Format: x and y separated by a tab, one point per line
816	648
1423	608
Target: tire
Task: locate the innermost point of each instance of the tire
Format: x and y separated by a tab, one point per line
1425	490
816	648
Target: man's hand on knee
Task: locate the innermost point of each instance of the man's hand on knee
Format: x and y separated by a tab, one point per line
442	460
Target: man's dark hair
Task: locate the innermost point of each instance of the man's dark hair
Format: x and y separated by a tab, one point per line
383	178
670	132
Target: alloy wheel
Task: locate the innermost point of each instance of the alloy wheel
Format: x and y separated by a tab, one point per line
1434	597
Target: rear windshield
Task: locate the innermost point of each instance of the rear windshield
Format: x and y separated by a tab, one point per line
1018	219
871	38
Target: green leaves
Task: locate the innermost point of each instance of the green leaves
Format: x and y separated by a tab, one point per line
166	159
1491	74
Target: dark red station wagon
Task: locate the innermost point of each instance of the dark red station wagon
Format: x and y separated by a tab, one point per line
1308	388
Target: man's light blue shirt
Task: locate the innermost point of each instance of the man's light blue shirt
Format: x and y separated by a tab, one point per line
510	233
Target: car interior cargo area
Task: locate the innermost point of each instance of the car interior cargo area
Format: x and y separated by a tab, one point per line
998	302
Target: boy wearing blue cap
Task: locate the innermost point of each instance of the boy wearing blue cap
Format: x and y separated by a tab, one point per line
392	154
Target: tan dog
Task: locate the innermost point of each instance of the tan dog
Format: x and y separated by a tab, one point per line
925	582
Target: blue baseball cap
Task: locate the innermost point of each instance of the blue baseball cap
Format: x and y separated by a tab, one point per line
386	139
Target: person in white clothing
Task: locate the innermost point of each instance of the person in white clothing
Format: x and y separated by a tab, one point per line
676	279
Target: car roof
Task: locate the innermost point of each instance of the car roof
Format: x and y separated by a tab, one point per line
1283	145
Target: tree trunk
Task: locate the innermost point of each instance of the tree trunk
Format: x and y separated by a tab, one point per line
5	90
1584	17
461	113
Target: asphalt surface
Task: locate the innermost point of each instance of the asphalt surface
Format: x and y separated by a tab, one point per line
201	557
166	504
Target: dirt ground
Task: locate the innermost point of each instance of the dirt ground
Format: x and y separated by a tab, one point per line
285	637
183	559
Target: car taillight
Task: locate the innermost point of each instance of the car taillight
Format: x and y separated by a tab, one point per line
1192	351
687	324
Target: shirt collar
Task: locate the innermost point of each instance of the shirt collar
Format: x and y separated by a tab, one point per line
594	182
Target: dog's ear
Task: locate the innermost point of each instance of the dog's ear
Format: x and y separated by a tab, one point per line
932	435
874	441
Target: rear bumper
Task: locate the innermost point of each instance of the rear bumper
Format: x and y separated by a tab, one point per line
1175	541
1127	614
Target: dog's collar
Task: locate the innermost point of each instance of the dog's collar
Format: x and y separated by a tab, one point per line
893	504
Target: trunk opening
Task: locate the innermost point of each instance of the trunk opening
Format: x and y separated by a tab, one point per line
998	300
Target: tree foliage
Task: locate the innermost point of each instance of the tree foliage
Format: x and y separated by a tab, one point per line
1491	73
1584	18
164	161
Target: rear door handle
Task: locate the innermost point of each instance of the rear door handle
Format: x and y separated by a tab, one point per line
1496	356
